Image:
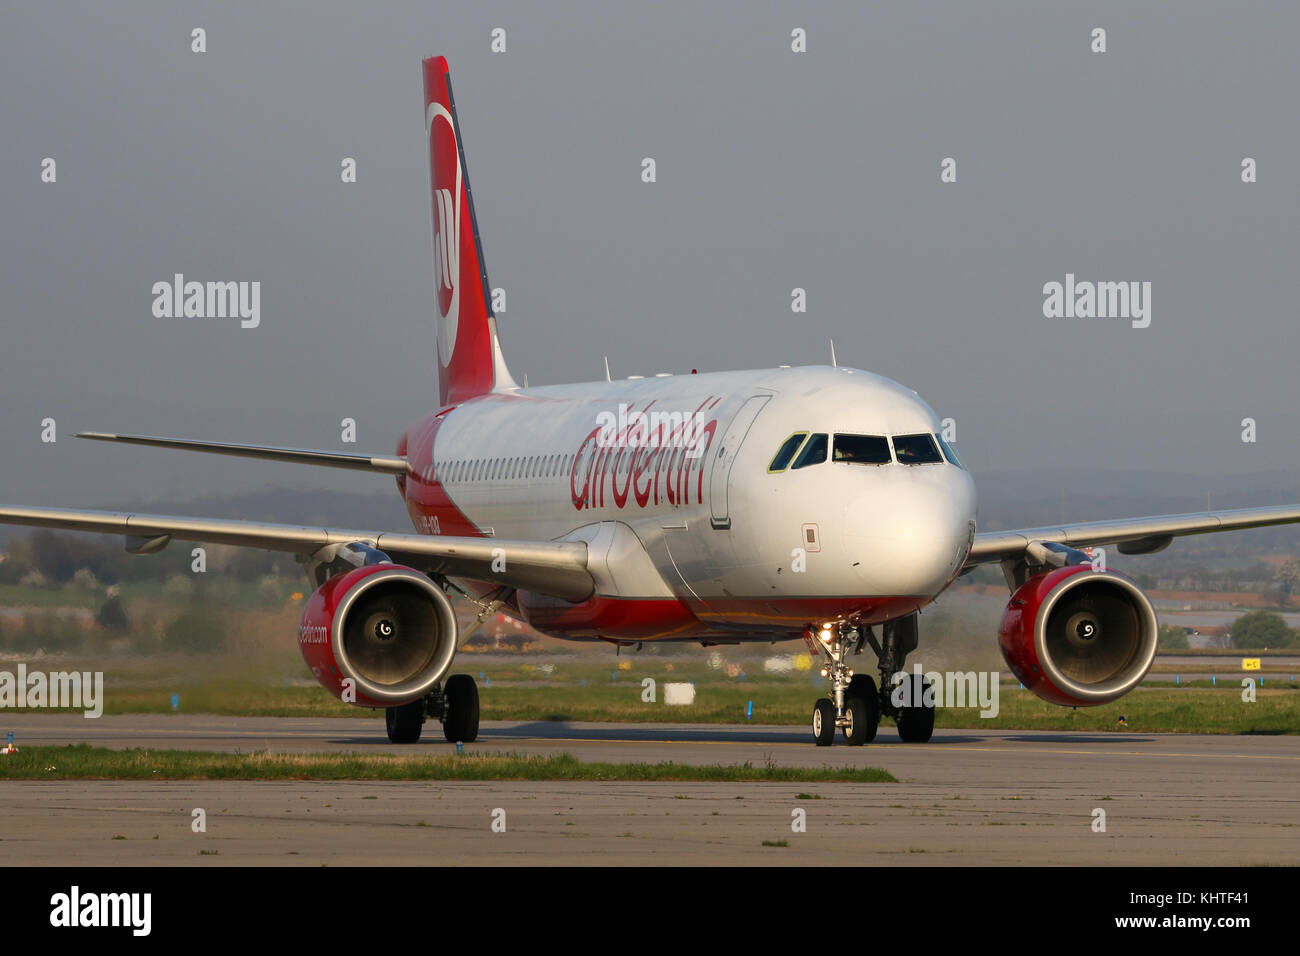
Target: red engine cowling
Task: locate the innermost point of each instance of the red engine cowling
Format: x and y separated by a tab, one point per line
1079	637
387	627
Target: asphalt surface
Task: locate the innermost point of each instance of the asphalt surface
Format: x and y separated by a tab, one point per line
969	797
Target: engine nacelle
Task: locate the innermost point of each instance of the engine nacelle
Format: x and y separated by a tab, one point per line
1079	637
386	627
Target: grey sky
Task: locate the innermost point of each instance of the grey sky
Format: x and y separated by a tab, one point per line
775	170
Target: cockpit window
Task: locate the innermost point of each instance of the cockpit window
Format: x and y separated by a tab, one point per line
916	450
862	449
948	451
783	454
814	452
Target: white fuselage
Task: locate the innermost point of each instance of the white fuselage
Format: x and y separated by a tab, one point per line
682	509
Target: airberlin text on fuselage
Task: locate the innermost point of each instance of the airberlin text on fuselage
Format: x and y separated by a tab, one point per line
659	464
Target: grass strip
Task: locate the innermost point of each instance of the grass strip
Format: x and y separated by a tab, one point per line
83	762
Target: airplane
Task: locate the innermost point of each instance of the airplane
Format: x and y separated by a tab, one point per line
819	502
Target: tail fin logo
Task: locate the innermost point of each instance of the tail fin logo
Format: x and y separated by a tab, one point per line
445	252
445	157
469	362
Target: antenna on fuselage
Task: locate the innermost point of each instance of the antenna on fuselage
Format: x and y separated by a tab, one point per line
607	378
834	364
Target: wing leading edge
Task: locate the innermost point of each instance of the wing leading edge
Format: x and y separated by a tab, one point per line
1131	535
556	568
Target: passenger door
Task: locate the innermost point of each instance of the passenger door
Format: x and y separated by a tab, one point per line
720	477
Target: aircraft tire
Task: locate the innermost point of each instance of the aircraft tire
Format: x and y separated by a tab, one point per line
405	722
823	723
460	725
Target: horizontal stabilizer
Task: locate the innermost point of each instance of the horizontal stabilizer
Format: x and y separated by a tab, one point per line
387	464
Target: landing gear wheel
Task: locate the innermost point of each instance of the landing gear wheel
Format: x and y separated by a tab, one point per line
864	689
855	731
405	722
823	723
915	720
460	724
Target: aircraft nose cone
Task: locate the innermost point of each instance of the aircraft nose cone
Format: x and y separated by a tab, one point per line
911	539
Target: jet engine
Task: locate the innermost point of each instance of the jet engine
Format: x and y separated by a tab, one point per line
387	629
1078	636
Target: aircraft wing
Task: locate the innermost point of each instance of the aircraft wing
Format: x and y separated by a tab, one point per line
1131	535
557	568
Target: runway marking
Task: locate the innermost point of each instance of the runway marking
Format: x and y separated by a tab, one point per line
1114	753
932	746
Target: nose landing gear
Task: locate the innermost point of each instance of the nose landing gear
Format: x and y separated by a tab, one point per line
854	704
857	703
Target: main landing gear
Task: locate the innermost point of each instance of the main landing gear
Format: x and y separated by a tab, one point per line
455	704
856	703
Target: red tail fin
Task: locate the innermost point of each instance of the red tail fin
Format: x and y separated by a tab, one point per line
468	354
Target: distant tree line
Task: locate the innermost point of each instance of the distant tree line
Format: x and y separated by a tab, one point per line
56	558
1263	629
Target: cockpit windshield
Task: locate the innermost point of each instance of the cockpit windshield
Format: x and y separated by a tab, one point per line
948	451
783	454
814	452
917	450
862	449
802	449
